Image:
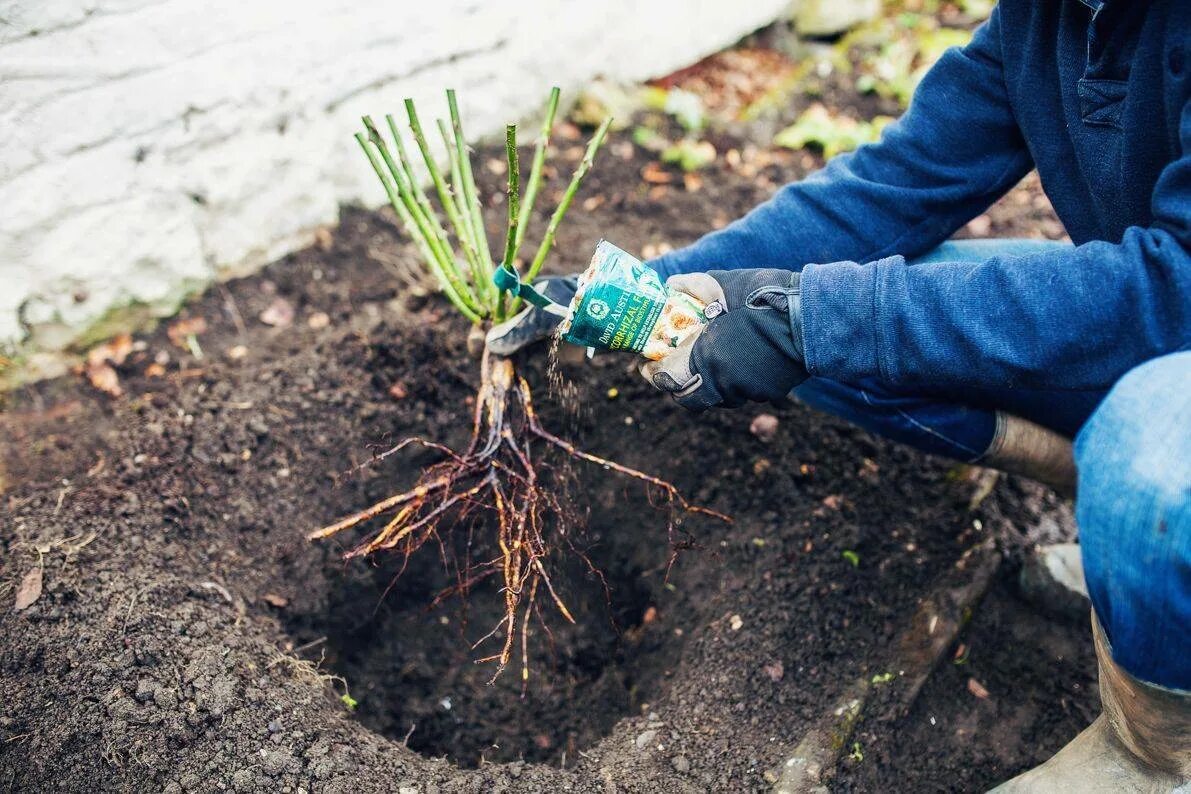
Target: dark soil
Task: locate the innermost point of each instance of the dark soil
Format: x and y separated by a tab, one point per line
189	639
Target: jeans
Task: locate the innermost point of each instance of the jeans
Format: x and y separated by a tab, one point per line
1133	458
956	422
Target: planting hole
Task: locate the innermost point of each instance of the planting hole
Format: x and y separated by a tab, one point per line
412	671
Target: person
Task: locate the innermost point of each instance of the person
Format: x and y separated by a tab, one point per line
843	290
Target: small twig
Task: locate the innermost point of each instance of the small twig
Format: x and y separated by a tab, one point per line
233	310
308	645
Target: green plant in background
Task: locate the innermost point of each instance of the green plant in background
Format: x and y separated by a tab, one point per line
894	50
831	133
690	152
886	56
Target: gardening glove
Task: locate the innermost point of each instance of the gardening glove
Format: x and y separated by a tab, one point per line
532	324
751	349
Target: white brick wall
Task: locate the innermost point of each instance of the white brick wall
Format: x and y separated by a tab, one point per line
150	146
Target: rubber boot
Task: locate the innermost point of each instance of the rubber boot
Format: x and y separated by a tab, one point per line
1141	742
1021	447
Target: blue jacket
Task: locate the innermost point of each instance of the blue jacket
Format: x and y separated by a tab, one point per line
1092	93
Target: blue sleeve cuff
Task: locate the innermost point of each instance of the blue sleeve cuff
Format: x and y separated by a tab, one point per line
841	331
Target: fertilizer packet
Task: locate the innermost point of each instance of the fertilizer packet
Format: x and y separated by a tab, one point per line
622	304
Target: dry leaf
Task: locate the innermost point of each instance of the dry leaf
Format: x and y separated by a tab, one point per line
29	590
275	600
977	689
104	377
187	326
279	314
99	367
655	174
114	350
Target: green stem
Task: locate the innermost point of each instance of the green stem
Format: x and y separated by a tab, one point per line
444	194
561	210
411	178
443	256
456	181
473	203
539	160
414	231
514	201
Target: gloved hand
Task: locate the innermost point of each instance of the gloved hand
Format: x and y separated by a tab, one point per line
750	350
532	324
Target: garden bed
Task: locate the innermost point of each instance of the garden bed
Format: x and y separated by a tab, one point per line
187	637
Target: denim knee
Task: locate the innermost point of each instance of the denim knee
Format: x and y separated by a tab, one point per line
1134	513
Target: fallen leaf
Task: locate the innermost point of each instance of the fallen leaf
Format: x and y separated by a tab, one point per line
29	590
102	360
103	377
275	600
655	174
279	314
179	330
114	350
977	689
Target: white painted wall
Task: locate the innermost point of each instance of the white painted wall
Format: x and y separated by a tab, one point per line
150	146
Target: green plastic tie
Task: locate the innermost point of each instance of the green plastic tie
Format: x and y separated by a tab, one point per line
507	280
